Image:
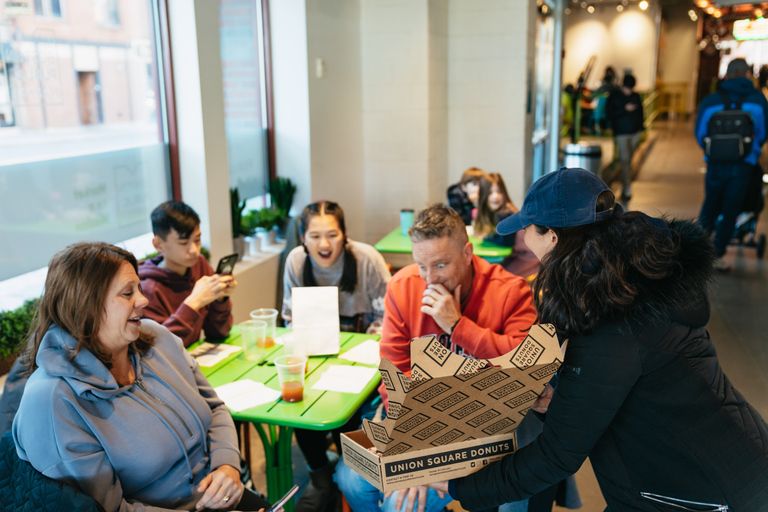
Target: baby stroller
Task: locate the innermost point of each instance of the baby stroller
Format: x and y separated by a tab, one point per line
744	232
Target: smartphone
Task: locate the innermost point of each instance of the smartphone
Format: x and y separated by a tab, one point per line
226	264
282	501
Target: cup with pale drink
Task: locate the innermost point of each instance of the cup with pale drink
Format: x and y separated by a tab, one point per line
290	372
270	317
252	333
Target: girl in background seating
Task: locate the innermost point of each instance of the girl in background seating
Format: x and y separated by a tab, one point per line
495	206
328	258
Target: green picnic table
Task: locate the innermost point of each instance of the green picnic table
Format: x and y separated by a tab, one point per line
397	251
275	421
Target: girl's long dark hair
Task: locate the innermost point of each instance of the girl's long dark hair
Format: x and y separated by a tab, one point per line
596	272
349	273
486	220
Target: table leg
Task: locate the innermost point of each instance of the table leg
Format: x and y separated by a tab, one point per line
279	467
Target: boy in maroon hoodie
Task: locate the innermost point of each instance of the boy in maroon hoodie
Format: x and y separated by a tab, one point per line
184	293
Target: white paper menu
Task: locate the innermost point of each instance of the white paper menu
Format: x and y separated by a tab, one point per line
315	320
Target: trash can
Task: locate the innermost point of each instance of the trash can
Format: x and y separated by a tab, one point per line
585	156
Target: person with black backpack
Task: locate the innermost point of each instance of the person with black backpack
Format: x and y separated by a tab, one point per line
625	113
731	126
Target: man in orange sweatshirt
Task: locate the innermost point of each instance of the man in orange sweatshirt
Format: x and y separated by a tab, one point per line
475	308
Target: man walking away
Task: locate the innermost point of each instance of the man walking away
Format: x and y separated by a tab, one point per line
731	126
625	112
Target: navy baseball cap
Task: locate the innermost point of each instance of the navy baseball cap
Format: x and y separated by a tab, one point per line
560	199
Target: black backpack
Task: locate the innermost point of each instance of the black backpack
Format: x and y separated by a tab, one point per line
730	133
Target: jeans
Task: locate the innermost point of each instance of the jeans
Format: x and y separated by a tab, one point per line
364	497
626	145
725	188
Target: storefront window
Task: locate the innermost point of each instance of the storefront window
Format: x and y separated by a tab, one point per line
240	25
83	155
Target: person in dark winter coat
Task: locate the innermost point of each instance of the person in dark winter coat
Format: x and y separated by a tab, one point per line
640	391
463	196
727	183
625	112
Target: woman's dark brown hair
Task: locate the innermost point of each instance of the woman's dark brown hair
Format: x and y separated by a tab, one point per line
349	272
75	293
595	272
486	220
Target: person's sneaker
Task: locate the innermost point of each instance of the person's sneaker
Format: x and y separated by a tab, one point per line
721	266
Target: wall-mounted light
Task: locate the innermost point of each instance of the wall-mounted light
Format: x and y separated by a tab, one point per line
710	10
703	4
692	15
643	5
717	14
591	9
619	7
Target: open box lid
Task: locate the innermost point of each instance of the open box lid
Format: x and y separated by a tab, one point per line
451	398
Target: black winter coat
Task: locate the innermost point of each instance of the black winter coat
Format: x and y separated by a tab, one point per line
624	122
646	399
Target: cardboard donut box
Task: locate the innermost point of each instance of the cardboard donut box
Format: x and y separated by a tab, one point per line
454	415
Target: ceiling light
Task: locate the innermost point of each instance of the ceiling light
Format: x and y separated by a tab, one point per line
619	7
567	11
583	5
692	15
717	14
590	9
710	10
703	4
643	5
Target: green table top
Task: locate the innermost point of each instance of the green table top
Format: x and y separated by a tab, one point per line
395	241
320	410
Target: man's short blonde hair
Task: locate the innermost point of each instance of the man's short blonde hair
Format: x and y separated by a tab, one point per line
438	221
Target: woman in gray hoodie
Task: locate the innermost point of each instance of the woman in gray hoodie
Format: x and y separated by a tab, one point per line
116	406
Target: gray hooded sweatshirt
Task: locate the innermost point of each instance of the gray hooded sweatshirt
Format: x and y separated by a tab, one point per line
141	447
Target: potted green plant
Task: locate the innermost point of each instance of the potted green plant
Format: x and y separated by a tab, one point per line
14	327
263	220
237	208
281	192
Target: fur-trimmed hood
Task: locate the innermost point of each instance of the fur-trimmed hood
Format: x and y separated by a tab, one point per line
683	296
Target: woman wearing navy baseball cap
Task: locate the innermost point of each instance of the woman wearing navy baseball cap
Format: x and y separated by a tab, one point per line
640	391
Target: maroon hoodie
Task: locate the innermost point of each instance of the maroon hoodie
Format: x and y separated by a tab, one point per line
166	292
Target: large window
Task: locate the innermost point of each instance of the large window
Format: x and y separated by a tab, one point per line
240	25
83	152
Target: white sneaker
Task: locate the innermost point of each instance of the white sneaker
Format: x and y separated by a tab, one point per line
721	266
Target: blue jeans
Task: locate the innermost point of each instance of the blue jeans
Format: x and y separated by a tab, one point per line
725	188
364	497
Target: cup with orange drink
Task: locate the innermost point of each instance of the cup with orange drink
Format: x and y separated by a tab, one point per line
290	373
270	317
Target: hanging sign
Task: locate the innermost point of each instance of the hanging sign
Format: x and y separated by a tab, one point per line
750	29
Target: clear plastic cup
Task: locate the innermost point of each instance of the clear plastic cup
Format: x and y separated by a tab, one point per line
252	333
270	317
290	372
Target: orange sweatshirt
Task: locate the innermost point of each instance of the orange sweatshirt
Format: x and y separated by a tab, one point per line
496	315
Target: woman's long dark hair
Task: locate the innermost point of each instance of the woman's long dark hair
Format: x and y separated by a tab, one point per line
349	273
486	220
596	272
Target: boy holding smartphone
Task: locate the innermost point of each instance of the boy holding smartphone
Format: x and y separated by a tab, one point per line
185	295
